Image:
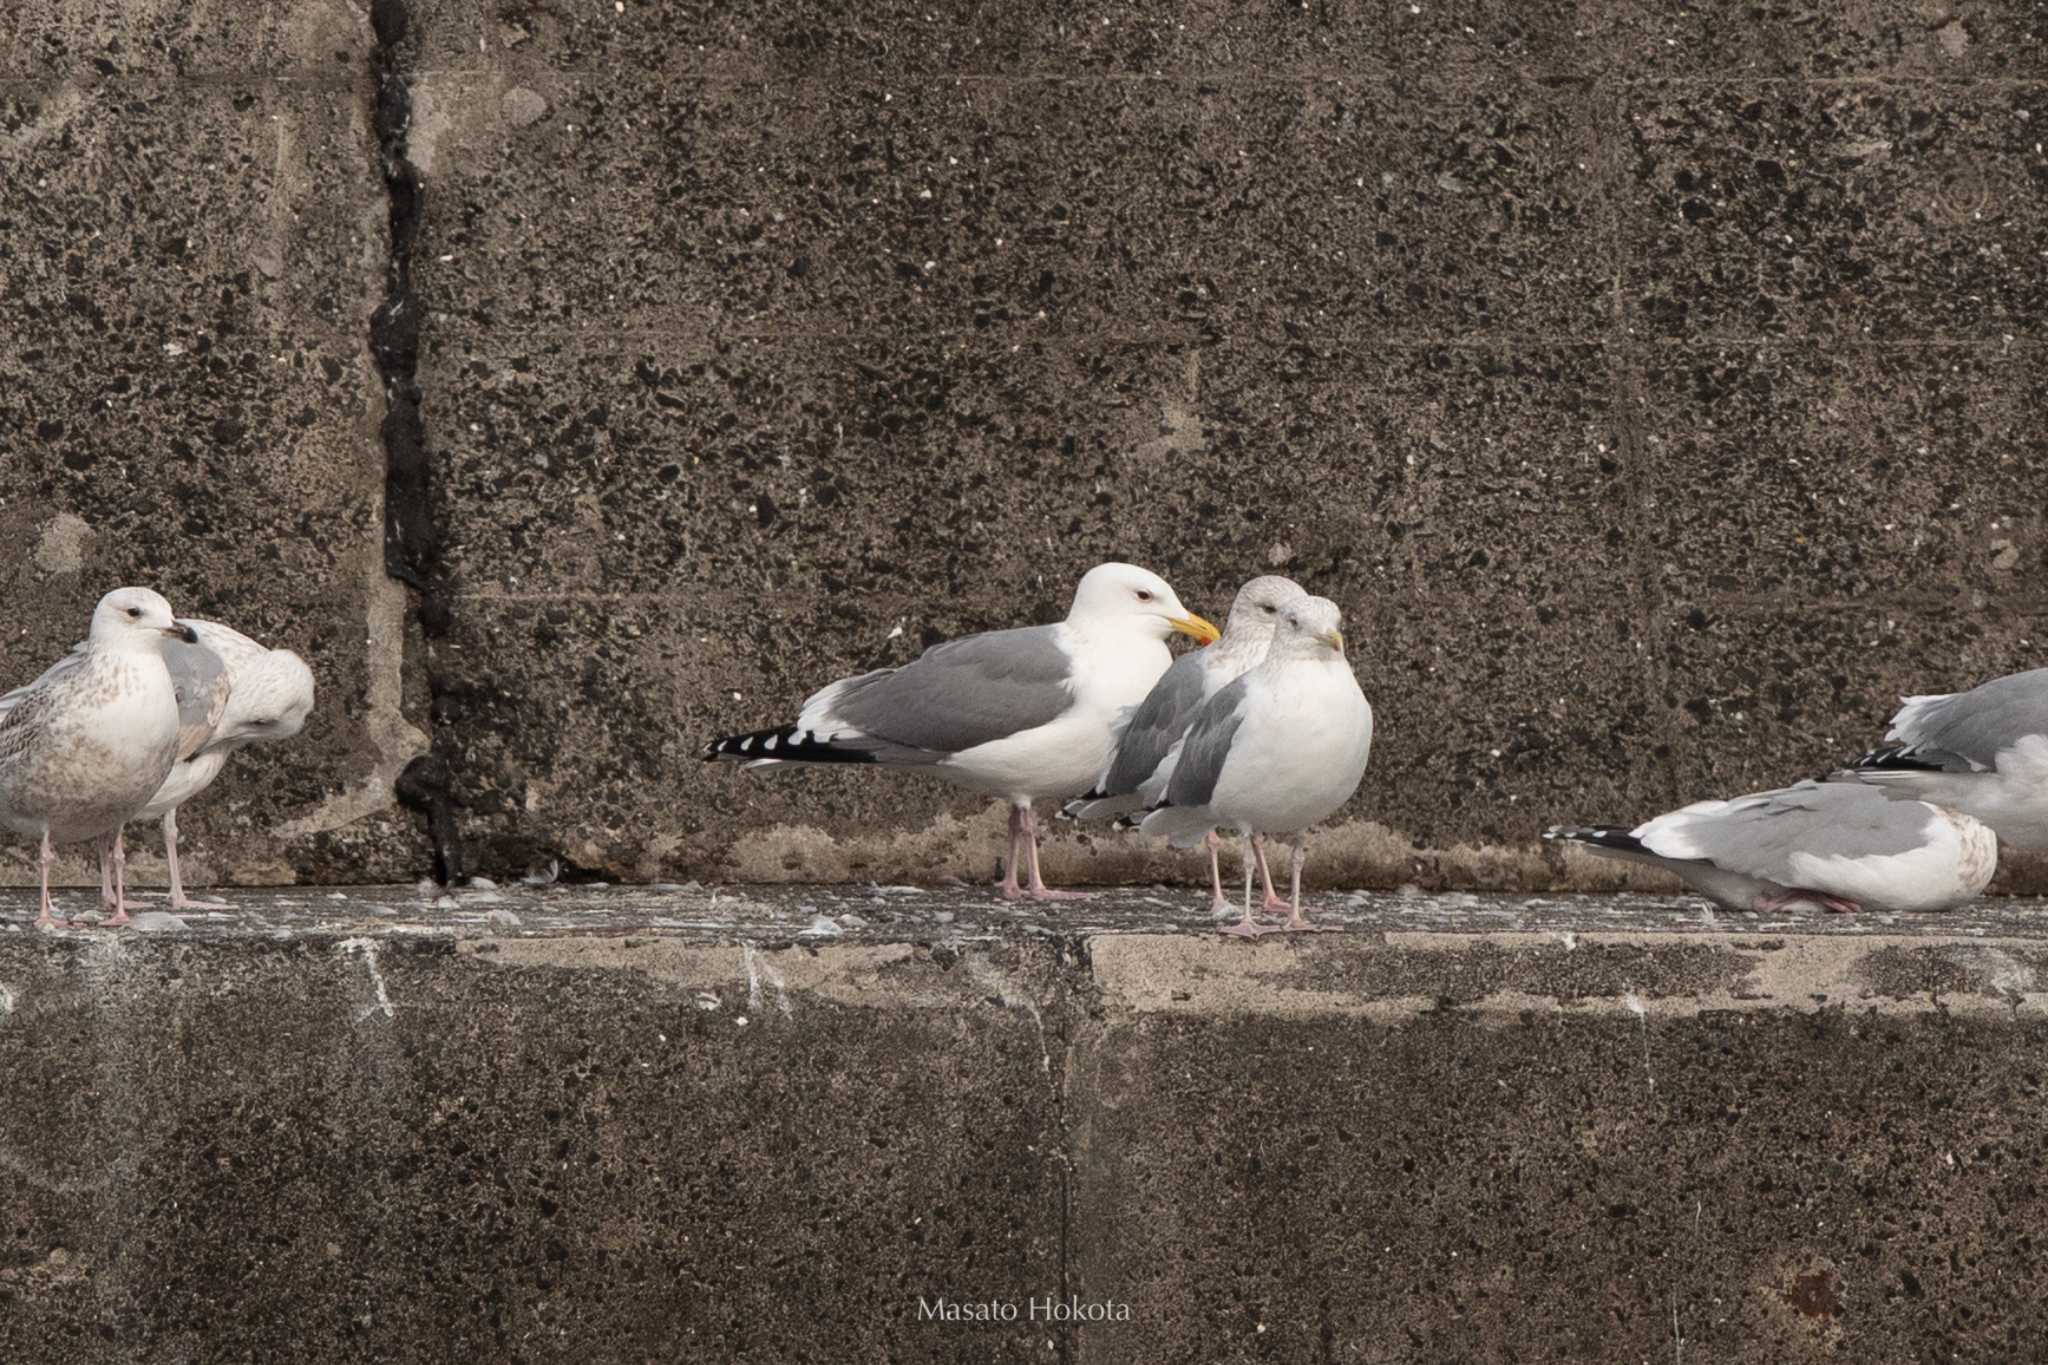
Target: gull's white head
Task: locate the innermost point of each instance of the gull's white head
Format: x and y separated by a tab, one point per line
136	620
1309	628
1125	594
271	699
1256	612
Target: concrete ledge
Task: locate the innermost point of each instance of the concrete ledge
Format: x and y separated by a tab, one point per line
784	1124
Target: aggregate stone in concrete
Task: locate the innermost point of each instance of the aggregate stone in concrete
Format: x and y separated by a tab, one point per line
1738	1187
889	480
1485	724
609	1124
403	1149
850	206
1371	209
1899	39
90	39
165	212
1847	470
1891	212
820	38
1340	467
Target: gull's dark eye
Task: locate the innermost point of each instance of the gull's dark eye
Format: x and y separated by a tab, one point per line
1268	608
135	612
1144	596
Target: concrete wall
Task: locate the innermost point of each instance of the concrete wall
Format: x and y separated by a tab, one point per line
1657	389
380	1132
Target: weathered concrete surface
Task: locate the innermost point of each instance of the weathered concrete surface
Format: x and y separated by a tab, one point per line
1653	386
192	234
618	1125
1656	404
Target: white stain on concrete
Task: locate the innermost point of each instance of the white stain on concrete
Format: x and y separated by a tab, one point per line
1641	1011
758	969
55	111
998	984
366	949
66	542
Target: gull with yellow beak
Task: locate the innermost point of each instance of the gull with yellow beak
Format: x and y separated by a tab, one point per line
1020	714
1279	749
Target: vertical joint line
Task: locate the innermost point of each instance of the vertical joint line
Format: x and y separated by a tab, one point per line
412	539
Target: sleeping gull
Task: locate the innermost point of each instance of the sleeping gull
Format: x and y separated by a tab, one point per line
1274	752
1135	776
1021	714
1836	845
1983	752
232	692
84	745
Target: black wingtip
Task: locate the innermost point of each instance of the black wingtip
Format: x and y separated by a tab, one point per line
784	743
1896	758
1133	819
1599	836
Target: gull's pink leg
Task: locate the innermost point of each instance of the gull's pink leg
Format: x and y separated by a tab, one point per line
1009	885
1038	890
179	900
1834	904
45	916
102	847
1246	927
1273	901
1298	923
1219	904
120	883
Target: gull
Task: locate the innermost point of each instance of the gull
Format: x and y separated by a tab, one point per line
1836	845
1142	742
1019	714
84	745
1983	752
1274	752
232	692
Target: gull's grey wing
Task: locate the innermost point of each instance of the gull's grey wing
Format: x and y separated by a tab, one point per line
24	711
1159	721
203	684
1964	731
1206	747
1758	835
966	692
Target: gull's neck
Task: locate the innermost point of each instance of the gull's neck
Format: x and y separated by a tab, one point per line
124	645
1240	649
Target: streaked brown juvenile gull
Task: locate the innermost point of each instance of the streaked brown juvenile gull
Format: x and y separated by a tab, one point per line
1019	714
1983	752
1274	752
1836	845
232	692
83	747
1135	776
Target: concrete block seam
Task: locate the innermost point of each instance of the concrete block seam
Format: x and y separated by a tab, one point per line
412	538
